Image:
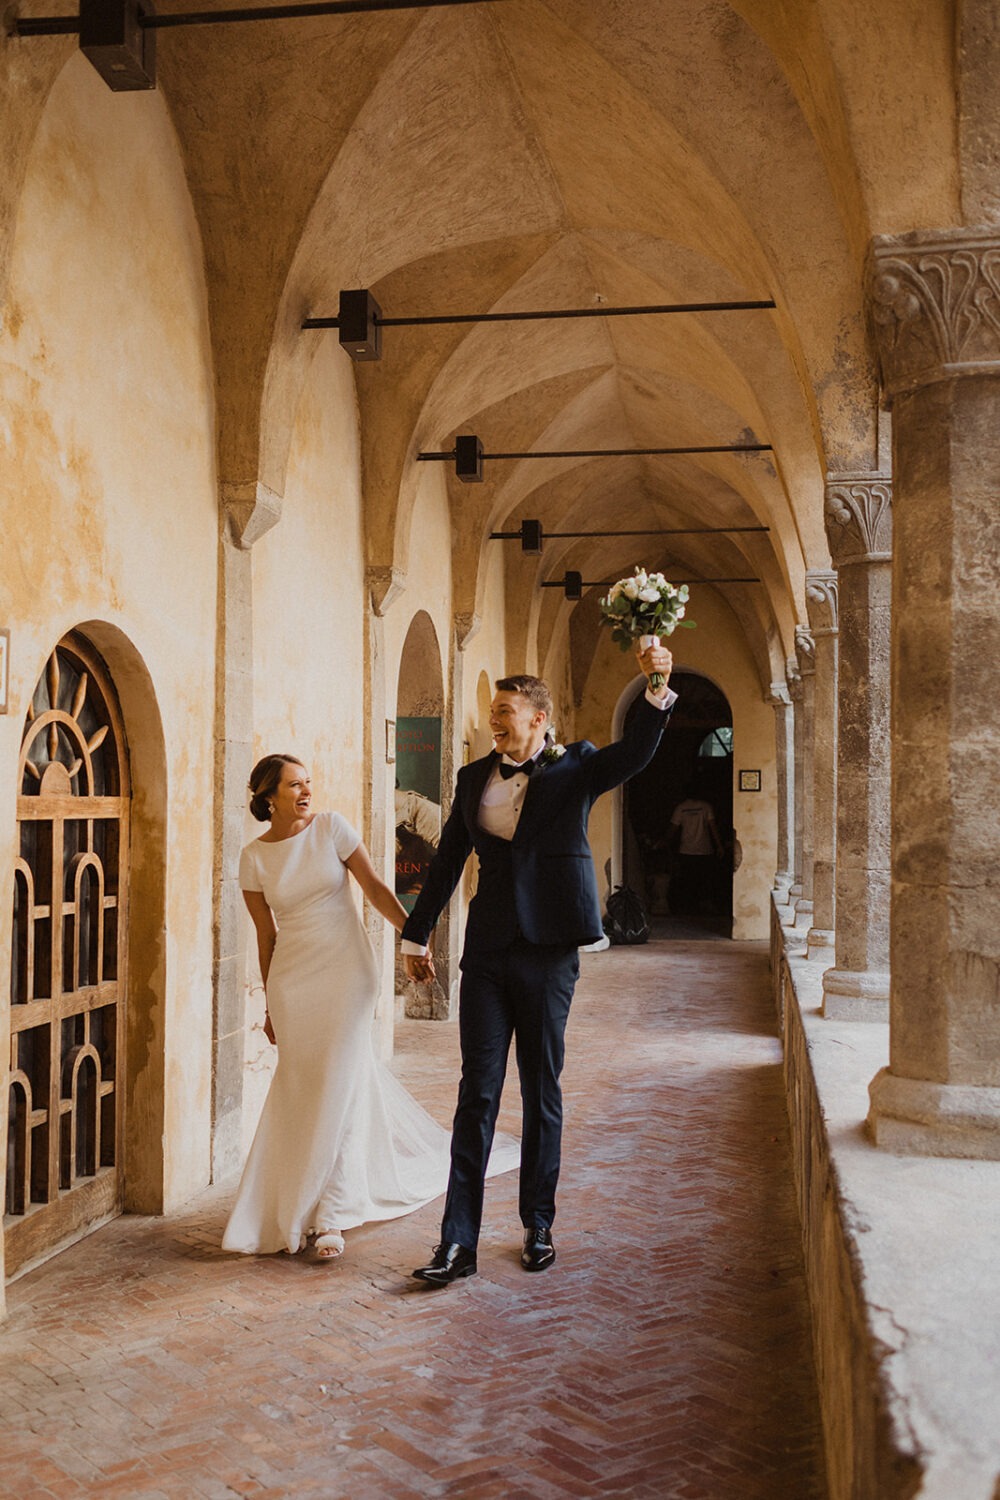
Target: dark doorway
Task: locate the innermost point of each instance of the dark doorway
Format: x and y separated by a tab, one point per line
695	759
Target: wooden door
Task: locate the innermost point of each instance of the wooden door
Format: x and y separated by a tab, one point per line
66	1117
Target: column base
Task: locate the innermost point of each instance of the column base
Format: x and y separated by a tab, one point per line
912	1117
861	995
820	943
781	888
803	913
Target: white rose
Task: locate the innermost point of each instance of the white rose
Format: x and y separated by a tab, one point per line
649	596
631	589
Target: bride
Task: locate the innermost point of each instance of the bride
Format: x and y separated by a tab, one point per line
340	1142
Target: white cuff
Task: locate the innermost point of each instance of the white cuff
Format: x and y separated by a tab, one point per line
415	950
663	703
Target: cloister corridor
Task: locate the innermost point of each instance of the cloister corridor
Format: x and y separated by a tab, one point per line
666	1356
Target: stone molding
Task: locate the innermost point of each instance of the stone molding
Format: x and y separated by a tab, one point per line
793	679
934	305
384	587
821	602
805	651
250	510
779	696
467	626
858	516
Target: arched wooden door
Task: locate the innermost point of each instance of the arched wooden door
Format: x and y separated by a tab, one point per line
66	1116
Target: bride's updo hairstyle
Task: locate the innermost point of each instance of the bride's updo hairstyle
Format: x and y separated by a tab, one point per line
264	781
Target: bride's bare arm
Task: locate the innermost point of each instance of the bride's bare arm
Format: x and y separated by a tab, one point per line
375	890
263	920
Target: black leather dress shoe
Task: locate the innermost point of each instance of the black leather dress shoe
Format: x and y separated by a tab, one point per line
539	1251
450	1263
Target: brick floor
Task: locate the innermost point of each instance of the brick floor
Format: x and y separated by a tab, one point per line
665	1356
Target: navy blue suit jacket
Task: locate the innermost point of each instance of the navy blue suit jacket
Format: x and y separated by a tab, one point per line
551	870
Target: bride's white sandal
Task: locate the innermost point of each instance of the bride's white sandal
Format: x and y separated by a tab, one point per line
329	1245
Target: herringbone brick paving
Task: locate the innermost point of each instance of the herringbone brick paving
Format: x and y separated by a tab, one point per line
665	1356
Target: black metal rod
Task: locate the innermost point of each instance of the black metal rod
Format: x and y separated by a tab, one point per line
70	25
606	583
609	452
551	536
566	312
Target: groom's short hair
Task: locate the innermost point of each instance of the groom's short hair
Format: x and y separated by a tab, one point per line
533	688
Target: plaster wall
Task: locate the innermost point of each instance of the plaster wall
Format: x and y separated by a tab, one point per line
718	650
308	648
108	514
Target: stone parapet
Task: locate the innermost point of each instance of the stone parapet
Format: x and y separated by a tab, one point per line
899	1256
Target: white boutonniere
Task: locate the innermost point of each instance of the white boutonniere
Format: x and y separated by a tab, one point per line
553	750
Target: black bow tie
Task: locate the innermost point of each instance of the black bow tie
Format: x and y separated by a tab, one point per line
507	771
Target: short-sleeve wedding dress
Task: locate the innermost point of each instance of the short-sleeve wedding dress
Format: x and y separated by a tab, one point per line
340	1141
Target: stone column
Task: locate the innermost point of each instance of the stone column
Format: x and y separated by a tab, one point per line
934	300
247	511
821	604
859	528
805	655
784	758
795	693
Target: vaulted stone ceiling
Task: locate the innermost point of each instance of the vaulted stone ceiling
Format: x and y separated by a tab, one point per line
523	154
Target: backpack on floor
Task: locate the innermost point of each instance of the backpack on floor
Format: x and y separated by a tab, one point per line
626	920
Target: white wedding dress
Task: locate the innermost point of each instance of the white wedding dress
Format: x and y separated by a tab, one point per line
340	1141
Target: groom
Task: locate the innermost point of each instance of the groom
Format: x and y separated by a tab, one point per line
523	808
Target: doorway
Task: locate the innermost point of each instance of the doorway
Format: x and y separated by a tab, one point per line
66	1118
685	896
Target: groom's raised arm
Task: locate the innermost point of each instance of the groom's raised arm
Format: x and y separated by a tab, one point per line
442	877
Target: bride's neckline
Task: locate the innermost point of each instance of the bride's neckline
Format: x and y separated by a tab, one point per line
268	843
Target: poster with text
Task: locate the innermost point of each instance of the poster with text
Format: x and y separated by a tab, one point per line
418	802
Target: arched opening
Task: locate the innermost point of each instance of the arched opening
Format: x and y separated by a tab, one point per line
678	843
87	980
417	794
69	1002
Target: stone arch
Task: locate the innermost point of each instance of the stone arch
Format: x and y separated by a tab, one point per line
421	731
147	972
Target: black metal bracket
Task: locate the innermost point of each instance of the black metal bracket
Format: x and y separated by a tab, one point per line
532	537
359	319
573	584
468	452
112	32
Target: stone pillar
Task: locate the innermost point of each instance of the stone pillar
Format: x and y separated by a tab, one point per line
805	655
859	528
795	693
934	300
246	511
784	759
821	604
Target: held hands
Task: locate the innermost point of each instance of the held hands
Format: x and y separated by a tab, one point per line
419	966
655	659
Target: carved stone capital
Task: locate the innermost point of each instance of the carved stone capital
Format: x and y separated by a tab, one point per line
794	679
805	651
821	601
466	628
858	516
384	587
779	696
250	509
934	306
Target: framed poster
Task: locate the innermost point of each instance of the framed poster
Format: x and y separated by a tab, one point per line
749	781
417	803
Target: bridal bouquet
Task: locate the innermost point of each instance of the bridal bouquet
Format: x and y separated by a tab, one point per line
642	607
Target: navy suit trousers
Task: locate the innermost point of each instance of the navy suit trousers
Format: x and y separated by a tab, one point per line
522	991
